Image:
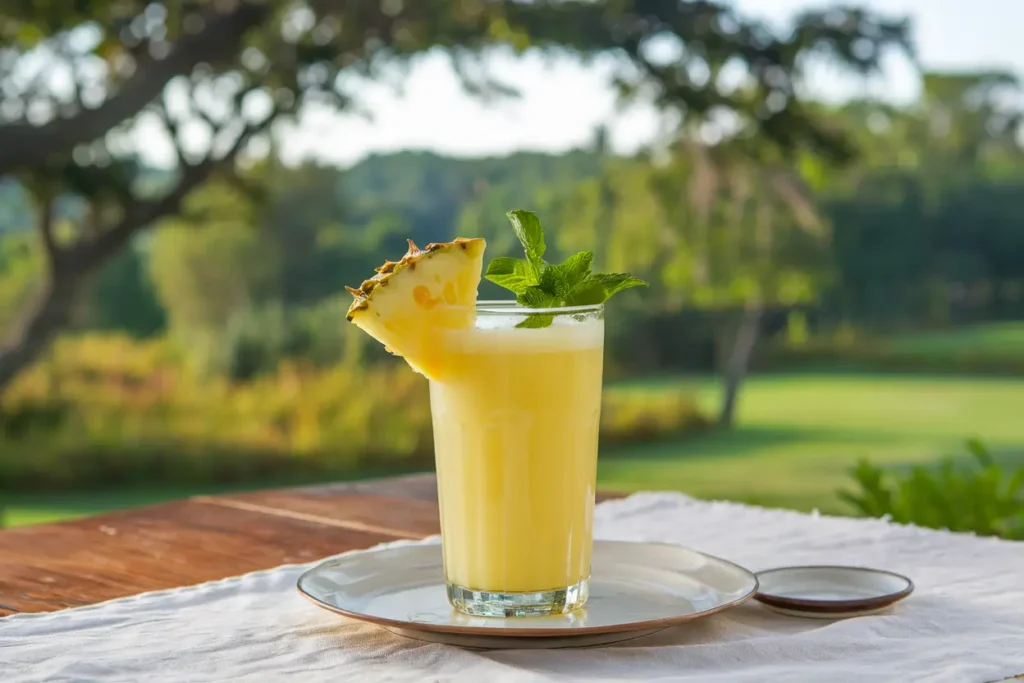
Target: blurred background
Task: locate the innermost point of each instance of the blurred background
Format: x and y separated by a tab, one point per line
828	200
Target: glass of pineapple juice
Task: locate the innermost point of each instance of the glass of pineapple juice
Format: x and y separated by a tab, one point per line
516	420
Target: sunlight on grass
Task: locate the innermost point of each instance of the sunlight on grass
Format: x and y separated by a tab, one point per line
798	434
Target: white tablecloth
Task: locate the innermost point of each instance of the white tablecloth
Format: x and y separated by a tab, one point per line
963	624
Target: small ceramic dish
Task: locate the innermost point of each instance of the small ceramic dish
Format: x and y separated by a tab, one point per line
830	592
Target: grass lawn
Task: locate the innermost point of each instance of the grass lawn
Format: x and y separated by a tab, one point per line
798	434
796	437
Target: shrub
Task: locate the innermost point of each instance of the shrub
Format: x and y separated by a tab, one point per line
109	410
106	410
643	416
985	499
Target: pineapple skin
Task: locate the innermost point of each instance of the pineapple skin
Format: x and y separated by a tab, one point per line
363	296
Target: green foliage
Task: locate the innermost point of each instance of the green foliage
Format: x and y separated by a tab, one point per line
213	262
613	283
305	220
515	275
220	65
123	297
107	410
256	340
633	417
539	284
132	411
530	234
986	499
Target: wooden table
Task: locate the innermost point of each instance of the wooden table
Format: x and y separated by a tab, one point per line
70	564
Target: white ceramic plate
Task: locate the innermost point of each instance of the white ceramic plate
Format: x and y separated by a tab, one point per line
831	592
635	589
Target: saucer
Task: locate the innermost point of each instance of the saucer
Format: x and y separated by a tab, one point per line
830	592
635	589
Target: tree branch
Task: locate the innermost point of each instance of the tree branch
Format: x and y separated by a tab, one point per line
255	129
25	144
92	255
144	214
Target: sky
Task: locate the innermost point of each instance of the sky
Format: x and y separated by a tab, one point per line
561	105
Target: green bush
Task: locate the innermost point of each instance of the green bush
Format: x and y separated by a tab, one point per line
985	498
641	416
109	410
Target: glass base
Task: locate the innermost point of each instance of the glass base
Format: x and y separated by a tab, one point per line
535	604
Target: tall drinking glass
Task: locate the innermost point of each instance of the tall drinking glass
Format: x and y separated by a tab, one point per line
516	423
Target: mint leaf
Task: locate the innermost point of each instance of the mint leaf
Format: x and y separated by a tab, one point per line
577	266
590	292
596	289
537	320
530	233
535	297
549	281
538	284
563	278
616	282
513	274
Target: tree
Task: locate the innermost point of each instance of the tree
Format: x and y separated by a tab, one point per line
925	227
972	113
79	79
754	240
728	224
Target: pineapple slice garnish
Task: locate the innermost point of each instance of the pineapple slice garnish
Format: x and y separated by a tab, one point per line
410	304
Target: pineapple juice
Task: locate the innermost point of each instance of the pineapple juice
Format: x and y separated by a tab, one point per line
516	421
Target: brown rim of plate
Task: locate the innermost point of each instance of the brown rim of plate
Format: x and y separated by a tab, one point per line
541	632
834	606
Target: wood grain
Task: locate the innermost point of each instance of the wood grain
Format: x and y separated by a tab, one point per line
70	564
78	563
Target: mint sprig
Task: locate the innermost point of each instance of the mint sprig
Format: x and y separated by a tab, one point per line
539	284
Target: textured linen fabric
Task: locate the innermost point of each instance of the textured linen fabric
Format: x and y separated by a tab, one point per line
964	623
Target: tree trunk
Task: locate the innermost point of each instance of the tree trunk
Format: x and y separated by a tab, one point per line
739	361
51	315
